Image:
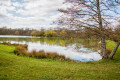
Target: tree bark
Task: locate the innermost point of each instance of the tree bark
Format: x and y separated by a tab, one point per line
114	50
103	44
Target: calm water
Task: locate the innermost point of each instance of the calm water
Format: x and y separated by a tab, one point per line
79	50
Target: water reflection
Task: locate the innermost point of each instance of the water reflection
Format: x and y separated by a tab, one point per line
79	49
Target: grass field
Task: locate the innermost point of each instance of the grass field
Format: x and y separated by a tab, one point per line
14	67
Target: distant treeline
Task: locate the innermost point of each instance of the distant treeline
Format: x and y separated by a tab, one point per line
9	31
59	32
42	33
56	33
94	33
63	32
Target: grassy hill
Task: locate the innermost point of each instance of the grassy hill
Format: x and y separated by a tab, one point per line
14	67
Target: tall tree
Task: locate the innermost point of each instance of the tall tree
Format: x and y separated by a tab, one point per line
91	13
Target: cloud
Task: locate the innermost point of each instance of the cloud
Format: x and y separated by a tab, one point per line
29	13
5	2
16	4
2	16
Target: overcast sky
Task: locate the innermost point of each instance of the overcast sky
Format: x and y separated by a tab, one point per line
29	13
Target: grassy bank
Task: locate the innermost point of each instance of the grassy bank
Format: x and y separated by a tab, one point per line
111	45
14	67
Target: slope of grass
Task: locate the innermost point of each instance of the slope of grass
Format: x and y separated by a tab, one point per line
14	67
111	45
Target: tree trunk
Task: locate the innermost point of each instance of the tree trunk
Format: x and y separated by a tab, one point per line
114	50
103	45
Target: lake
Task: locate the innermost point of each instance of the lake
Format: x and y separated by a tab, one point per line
80	50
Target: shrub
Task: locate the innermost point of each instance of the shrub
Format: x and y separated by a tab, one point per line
25	46
32	54
108	50
52	55
15	44
20	51
41	54
62	57
6	43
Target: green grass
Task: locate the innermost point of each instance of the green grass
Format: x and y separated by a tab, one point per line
111	45
14	67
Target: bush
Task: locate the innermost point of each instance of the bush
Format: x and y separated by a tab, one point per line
52	55
6	43
32	54
20	50
41	54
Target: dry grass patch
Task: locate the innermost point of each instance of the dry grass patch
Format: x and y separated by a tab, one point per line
21	50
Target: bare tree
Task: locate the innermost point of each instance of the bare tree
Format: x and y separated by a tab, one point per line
93	14
115	37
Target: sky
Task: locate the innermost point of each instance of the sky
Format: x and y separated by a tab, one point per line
34	14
